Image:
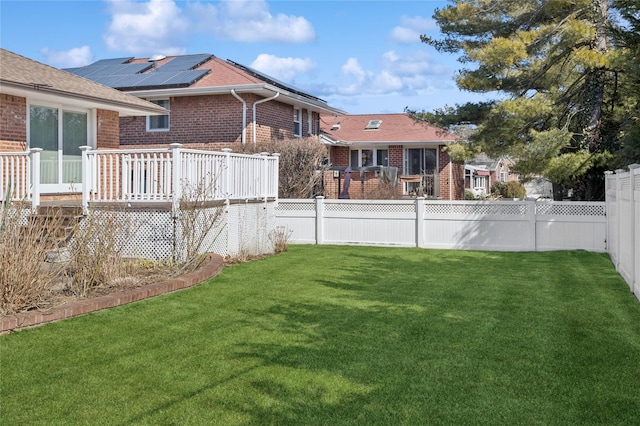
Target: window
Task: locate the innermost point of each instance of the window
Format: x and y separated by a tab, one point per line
60	133
369	157
503	177
297	122
309	122
158	122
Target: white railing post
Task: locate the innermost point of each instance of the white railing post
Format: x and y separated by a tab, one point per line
177	176
276	176
319	219
619	221
87	175
226	186
632	231
420	203
265	175
35	177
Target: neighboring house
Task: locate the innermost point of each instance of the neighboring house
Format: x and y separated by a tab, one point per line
393	148
482	172
58	112
213	103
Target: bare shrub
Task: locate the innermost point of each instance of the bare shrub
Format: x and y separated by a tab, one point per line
279	237
301	165
197	220
25	280
96	250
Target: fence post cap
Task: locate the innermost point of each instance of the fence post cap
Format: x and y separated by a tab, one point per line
85	148
35	150
226	150
175	145
634	166
275	154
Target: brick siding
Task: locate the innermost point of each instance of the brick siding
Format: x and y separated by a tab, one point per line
213	122
108	129
13	122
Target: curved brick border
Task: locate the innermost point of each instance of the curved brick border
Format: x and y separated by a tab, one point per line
211	266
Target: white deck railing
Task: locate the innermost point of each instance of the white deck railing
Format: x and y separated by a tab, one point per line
16	175
151	175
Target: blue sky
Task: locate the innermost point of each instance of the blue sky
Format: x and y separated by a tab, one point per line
360	56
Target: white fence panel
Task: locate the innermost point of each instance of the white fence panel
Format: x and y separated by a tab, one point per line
476	225
298	216
571	226
369	222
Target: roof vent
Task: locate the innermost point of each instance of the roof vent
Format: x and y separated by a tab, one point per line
373	125
335	127
157	57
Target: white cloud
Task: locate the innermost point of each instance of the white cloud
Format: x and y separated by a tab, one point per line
285	69
353	67
251	21
145	28
411	28
409	74
76	57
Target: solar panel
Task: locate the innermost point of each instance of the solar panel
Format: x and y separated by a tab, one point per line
110	80
157	79
186	77
114	61
184	63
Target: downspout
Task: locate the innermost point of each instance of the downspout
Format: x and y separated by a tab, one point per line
254	114
244	116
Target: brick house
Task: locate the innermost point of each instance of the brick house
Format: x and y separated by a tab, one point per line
54	113
482	172
394	148
213	103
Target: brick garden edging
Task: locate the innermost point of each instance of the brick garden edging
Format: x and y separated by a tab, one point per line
211	266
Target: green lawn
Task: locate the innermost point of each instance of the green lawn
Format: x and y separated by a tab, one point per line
327	335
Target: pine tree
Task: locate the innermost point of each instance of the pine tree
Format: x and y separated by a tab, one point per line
553	67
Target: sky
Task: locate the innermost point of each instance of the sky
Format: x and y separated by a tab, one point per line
361	56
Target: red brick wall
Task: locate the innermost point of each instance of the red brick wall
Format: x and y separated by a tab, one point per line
13	122
213	122
108	129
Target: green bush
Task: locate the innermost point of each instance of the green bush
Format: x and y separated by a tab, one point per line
511	189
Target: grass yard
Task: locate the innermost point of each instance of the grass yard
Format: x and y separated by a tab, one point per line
327	335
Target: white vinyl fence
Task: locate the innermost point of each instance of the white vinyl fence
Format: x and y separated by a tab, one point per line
473	225
623	224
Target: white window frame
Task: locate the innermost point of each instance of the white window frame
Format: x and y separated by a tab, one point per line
374	154
160	102
297	122
503	177
309	122
91	115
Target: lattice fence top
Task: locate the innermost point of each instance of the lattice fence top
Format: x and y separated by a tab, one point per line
388	208
475	208
565	209
284	206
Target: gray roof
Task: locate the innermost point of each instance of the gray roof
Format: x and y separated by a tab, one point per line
25	77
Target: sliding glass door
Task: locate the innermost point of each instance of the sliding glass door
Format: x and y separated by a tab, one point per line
60	133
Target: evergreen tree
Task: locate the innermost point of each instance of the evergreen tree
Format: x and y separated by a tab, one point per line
556	63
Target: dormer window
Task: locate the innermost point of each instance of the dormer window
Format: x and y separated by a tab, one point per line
373	125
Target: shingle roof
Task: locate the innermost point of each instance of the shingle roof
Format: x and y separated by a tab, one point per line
395	128
19	74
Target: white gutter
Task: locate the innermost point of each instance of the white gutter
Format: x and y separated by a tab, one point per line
254	113
244	116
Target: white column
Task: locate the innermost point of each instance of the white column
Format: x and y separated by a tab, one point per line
420	222
319	219
87	174
177	176
35	178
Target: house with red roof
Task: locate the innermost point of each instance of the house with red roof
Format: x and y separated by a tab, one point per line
212	103
391	149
